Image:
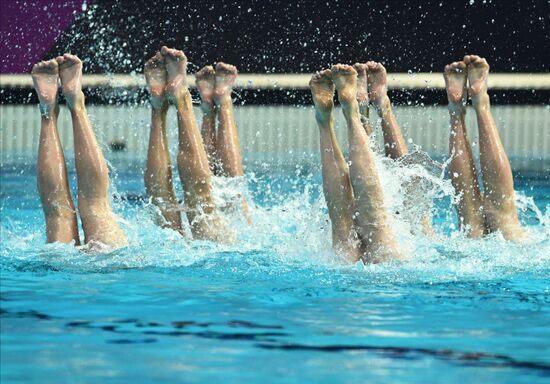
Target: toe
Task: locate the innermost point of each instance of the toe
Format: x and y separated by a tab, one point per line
326	73
70	57
221	66
205	71
315	78
471	59
180	55
458	65
360	68
372	66
158	57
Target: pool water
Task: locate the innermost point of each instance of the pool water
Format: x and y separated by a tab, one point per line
276	306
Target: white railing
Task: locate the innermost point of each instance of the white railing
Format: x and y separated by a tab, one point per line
300	81
282	133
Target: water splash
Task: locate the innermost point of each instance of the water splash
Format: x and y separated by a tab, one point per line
291	230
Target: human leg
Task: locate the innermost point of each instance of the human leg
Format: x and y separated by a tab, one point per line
158	169
53	184
98	220
371	217
336	180
461	167
499	196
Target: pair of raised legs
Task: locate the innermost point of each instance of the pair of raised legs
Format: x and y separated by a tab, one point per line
354	195
372	88
98	220
495	209
166	76
222	145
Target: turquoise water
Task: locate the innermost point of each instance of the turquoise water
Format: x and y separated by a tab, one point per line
276	306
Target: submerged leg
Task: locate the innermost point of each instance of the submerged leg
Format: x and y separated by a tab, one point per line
158	168
371	217
336	181
499	196
461	167
95	210
394	143
193	165
206	79
53	184
395	146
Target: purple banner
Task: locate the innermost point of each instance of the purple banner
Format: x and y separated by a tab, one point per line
30	28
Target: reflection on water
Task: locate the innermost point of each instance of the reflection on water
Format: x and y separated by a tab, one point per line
279	293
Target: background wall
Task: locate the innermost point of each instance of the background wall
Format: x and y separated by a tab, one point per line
278	35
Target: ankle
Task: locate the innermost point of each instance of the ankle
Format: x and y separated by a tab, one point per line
351	112
383	105
158	104
208	109
49	111
75	102
481	101
323	118
456	109
180	97
160	110
223	99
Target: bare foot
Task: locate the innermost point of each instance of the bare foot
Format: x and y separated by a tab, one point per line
225	77
206	79
70	73
455	83
362	90
478	72
345	80
155	76
322	91
45	76
377	82
176	68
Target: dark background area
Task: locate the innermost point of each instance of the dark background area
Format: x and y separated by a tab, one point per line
296	36
303	36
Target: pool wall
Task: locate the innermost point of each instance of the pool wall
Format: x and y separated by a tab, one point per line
283	133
